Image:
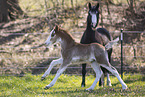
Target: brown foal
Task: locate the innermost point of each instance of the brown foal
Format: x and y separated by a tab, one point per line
73	52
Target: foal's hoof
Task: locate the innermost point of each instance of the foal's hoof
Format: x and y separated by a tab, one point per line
124	87
89	89
110	85
46	87
42	78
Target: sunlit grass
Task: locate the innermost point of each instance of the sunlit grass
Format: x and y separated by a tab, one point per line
31	85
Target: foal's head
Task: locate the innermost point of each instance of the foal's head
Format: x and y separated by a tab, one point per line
58	35
53	37
93	15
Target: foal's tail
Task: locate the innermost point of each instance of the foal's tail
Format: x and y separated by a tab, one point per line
111	43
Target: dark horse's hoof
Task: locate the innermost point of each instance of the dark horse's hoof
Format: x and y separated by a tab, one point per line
42	78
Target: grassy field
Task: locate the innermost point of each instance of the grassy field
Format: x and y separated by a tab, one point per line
68	86
17	53
23	51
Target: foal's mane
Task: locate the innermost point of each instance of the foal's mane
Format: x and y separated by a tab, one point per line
65	35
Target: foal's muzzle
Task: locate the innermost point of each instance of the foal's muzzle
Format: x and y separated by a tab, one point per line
47	44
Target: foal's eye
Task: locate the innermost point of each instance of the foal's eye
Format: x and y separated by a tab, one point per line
52	35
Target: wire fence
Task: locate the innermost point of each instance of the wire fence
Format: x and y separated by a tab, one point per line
136	58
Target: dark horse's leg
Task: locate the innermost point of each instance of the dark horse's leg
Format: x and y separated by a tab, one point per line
101	81
83	74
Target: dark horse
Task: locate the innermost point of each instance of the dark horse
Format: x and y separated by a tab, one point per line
100	35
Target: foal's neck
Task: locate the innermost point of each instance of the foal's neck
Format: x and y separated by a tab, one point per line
67	43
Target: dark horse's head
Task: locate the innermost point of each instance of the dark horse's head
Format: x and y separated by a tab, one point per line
93	15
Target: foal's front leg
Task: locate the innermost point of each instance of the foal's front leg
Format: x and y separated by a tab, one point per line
52	64
59	72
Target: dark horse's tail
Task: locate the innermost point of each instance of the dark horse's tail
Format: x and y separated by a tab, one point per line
105	32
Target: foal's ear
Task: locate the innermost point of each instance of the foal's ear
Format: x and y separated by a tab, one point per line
56	28
89	6
97	6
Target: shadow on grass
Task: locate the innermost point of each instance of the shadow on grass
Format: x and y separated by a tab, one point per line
131	79
63	92
74	92
134	79
67	91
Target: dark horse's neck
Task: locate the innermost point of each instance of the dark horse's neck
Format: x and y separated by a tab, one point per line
89	27
90	34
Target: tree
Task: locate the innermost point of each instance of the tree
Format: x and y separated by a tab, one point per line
9	10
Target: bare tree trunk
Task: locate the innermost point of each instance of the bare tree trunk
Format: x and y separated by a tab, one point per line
72	4
46	7
131	5
9	10
102	24
3	11
63	2
108	10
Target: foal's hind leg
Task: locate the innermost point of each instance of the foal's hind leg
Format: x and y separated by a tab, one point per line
98	72
52	64
109	57
115	72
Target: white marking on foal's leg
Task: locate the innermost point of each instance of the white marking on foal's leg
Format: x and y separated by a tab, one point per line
59	72
115	72
52	64
98	72
108	80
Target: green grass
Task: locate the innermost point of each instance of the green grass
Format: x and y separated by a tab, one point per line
68	86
